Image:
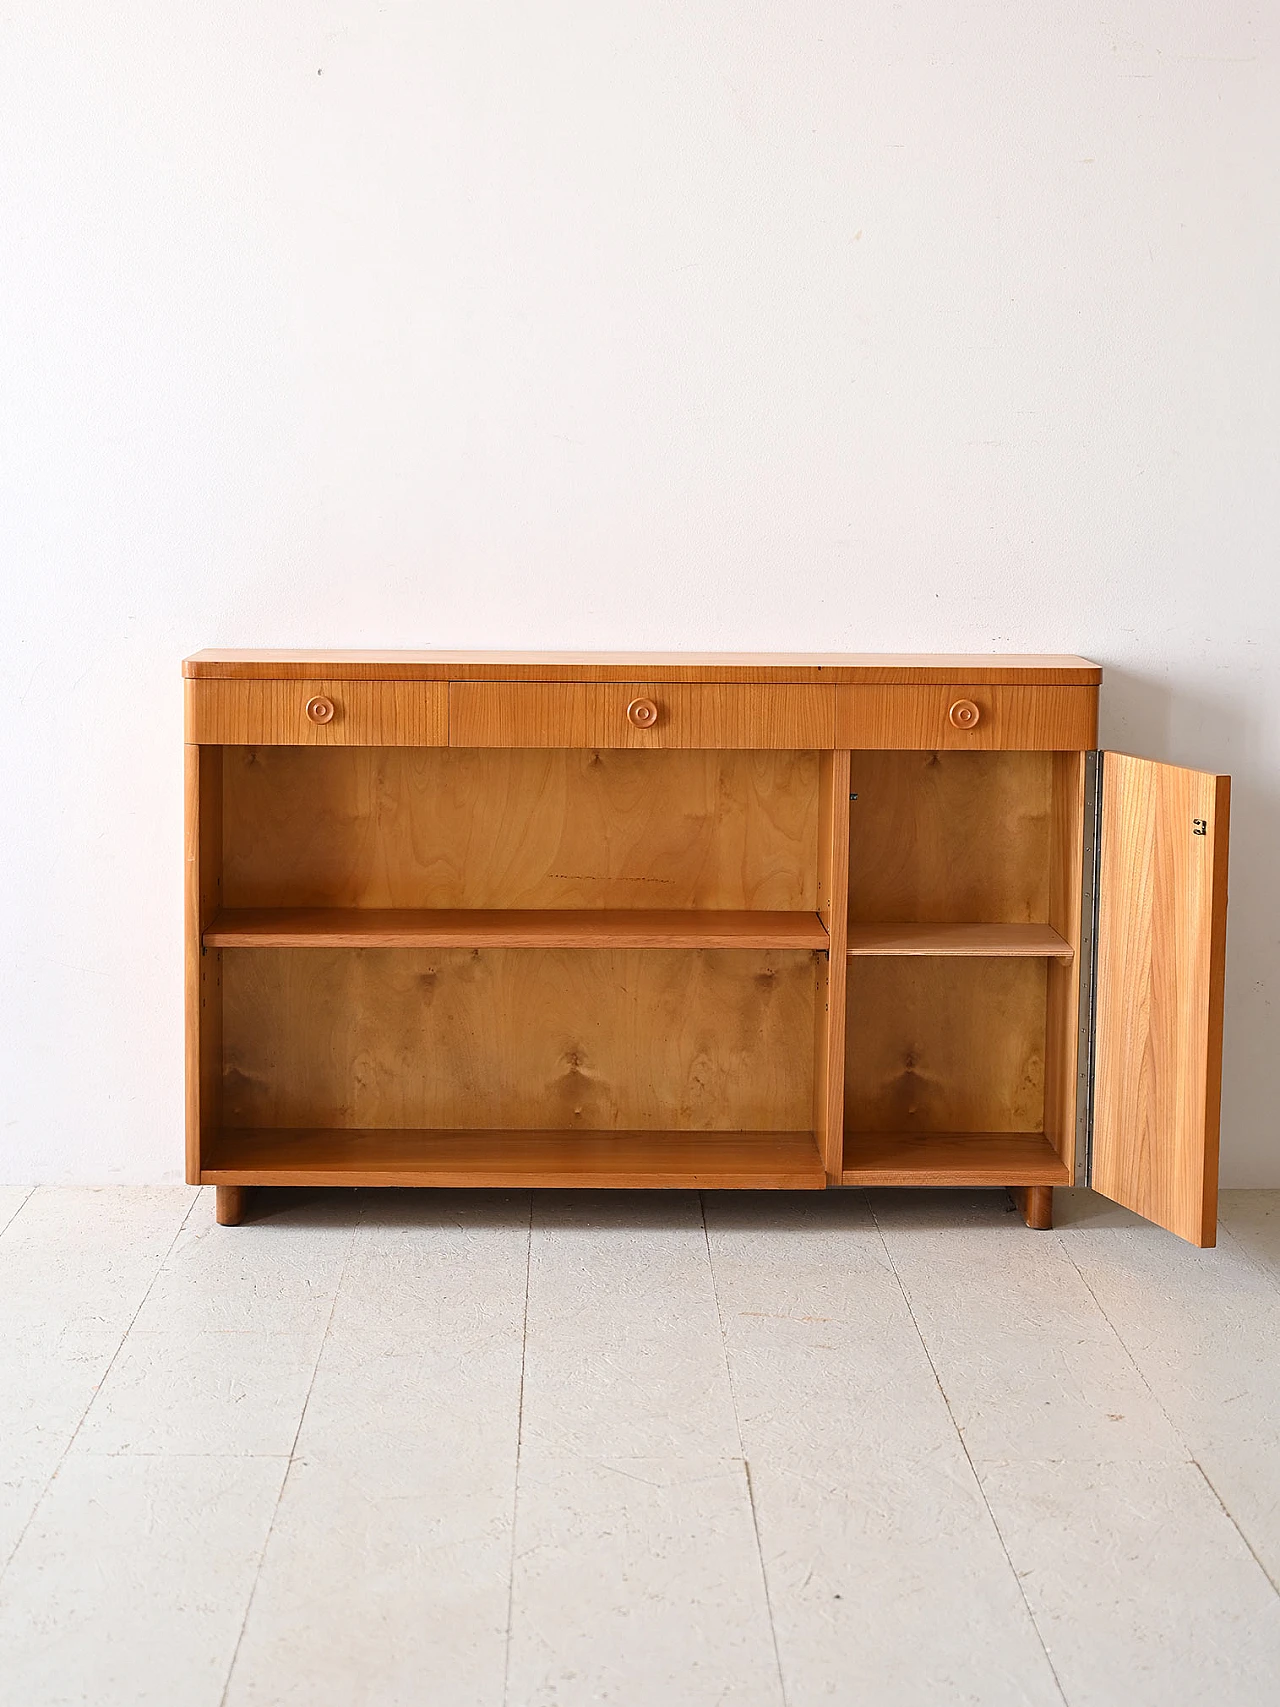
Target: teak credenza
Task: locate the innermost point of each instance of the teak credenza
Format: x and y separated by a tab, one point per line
728	921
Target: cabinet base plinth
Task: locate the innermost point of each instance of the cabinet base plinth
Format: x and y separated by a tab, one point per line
1035	1204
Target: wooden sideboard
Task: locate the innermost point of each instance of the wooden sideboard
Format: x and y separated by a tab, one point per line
494	919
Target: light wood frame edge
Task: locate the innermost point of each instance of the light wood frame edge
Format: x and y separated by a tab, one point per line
203	993
829	1004
1062	993
1216	1004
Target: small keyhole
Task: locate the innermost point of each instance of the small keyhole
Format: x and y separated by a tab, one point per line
1200	826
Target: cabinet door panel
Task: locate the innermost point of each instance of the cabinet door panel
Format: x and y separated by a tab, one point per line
1162	904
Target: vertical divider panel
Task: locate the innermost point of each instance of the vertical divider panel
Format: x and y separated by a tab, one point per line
203	967
1066	873
829	1008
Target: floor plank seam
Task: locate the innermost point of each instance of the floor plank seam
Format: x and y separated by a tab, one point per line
1246	1255
75	1433
1231	1519
1175	1430
973	1468
742	1453
289	1461
515	1488
17	1210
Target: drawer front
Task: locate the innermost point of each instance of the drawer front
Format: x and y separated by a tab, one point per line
639	714
318	714
936	719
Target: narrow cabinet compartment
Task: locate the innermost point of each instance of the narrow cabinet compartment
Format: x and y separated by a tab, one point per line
964	935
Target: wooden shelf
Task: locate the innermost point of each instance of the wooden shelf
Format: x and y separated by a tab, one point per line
382	1157
375	927
1027	942
952	1158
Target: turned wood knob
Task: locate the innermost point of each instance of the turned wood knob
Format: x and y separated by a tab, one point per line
643	713
964	714
320	709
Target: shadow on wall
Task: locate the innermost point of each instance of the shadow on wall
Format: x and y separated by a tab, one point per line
1147	716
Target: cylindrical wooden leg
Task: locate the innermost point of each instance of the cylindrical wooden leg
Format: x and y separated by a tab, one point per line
229	1206
1035	1203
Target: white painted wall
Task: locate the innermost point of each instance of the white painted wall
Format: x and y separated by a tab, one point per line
722	324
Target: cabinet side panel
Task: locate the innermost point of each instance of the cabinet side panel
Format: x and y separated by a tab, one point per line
1066	858
203	849
829	1011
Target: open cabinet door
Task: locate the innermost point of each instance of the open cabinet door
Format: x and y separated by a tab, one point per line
1161	947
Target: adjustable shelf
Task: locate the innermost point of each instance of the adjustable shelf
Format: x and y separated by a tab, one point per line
952	1158
1025	942
633	1160
374	927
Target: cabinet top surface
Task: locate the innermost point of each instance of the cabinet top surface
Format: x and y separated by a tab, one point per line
870	667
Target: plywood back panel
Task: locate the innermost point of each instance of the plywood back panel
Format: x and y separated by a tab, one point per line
943	837
945	1045
397	827
573	1040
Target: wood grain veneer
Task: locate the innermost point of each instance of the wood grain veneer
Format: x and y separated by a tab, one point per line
442	827
1032	942
594	714
778	1161
871	667
1161	957
376	927
945	1045
952	1158
950	837
1043	717
561	1039
829	1002
203	982
274	713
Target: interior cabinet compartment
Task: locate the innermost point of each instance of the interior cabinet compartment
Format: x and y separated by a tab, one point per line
954	837
442	828
385	1053
963	949
946	1072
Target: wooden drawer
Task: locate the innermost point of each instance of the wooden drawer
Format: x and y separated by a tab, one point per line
276	714
1037	719
639	714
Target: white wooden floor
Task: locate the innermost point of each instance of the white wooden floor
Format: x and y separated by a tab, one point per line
756	1449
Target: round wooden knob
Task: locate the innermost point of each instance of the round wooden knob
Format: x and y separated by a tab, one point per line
964	714
643	713
320	709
